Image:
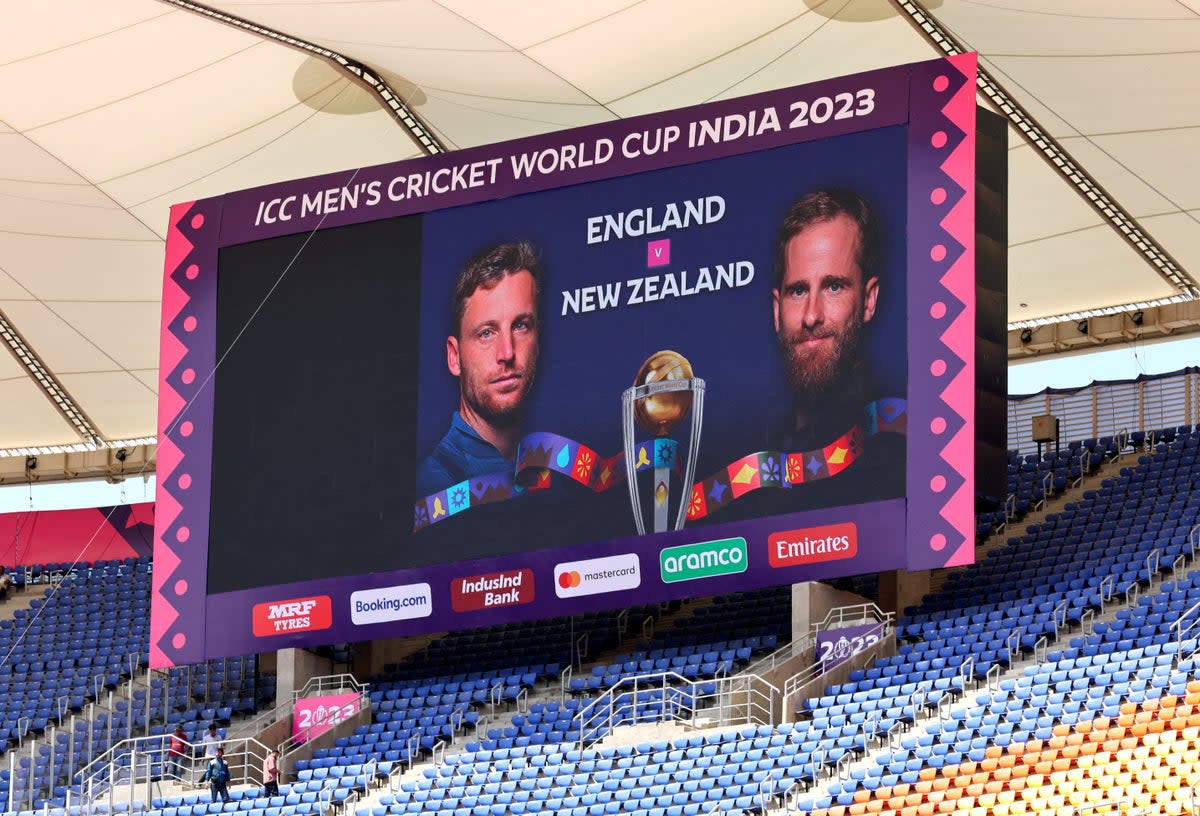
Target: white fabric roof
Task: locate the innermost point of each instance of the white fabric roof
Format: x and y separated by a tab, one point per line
110	112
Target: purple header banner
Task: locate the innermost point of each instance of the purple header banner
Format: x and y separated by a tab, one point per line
651	142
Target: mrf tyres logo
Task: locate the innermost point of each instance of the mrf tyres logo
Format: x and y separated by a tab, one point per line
707	559
293	615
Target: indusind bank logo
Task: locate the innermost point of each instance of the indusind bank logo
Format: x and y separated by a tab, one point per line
495	589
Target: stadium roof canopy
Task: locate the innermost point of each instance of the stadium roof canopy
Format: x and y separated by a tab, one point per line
112	111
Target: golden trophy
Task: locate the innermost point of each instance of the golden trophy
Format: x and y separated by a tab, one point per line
664	392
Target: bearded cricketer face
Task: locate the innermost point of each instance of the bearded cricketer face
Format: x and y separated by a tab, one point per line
822	303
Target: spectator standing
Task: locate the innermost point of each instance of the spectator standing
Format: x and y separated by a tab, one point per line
270	772
210	742
216	774
177	751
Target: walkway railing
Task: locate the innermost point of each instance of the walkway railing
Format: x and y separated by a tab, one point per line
669	697
143	761
325	684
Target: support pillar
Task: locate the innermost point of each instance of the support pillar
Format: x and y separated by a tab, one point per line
294	668
900	589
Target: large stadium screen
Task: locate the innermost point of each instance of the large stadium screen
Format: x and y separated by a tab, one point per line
700	351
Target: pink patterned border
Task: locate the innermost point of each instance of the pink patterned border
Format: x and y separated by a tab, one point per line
959	337
941	268
186	355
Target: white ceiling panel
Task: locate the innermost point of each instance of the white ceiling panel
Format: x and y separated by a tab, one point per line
125	332
111	112
522	24
114	66
119	404
61	346
47	27
86	269
585	56
1086	269
33	419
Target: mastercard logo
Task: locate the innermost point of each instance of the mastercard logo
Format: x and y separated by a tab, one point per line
592	576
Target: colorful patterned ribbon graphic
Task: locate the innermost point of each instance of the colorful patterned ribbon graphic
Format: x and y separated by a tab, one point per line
539	454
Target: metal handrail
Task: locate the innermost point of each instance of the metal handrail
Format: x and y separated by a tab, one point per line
817	764
1122	439
1183	632
103	773
1040	648
783	654
327	683
1013	642
1047	490
564	682
1107	587
324	803
767	793
315	685
1087	621
734	700
1133	594
1152	566
852	613
622	624
305	734
414	748
966	670
581	649
993	677
1060	617
842	767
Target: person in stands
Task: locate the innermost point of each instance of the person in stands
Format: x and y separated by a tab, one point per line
177	752
210	742
270	773
6	583
216	774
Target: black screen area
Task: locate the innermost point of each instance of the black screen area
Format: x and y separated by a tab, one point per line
314	420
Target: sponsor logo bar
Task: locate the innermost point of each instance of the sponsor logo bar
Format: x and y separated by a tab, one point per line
495	589
812	545
707	559
393	603
293	615
596	575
